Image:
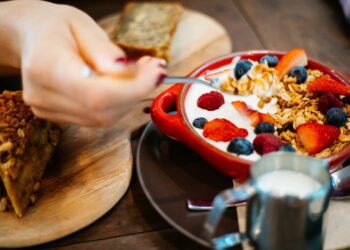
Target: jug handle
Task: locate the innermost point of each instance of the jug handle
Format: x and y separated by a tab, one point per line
228	196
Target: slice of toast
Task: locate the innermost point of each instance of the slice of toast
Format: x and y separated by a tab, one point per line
26	146
147	29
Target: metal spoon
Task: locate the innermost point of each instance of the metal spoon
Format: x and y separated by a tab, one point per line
340	184
189	80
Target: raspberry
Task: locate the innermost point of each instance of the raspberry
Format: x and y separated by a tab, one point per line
266	143
329	100
222	130
211	101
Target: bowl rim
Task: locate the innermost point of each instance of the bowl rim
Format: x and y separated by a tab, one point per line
200	68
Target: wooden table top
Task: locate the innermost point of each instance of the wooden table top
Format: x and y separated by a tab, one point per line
317	26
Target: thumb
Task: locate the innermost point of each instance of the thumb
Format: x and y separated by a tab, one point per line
96	48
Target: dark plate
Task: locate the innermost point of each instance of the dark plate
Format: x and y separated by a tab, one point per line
170	173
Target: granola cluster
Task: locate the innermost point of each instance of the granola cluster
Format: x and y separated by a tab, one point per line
261	81
295	104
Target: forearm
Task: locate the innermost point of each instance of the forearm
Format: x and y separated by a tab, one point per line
10	48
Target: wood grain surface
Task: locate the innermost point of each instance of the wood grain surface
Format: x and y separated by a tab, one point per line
90	172
93	167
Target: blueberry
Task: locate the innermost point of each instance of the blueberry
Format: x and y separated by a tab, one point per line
199	122
271	60
299	73
336	117
242	67
240	146
264	127
287	148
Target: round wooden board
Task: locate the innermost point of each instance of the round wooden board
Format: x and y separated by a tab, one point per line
92	168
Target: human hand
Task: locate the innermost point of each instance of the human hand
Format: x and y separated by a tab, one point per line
56	44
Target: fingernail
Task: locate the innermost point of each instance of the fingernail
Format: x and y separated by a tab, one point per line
160	79
121	60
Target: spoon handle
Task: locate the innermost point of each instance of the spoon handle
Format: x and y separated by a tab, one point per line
184	80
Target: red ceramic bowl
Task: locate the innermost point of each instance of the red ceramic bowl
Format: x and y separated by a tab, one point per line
179	128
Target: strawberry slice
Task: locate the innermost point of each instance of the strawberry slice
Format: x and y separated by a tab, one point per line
315	137
223	130
325	84
266	118
293	58
255	116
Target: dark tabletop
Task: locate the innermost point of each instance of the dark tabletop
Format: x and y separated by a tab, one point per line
316	25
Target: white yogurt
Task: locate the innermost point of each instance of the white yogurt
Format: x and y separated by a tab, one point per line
226	111
288	182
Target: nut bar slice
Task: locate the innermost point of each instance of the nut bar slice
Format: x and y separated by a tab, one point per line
148	28
26	146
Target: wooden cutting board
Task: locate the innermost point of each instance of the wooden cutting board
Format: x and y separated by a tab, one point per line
92	168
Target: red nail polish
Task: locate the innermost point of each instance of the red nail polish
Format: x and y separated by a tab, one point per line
160	79
122	60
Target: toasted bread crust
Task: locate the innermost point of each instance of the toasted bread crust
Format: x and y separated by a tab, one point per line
147	29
